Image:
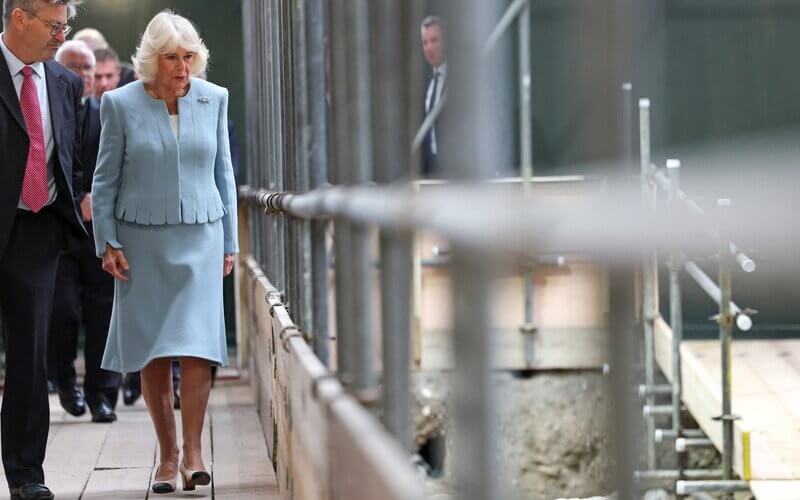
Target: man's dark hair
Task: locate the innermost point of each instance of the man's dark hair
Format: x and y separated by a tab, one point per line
31	6
106	54
430	21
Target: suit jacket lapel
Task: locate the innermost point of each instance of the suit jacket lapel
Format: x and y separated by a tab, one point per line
56	93
8	95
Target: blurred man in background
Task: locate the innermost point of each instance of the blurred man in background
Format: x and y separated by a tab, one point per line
84	292
434	50
96	41
107	72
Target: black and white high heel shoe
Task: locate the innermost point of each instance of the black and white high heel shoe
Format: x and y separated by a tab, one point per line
192	478
164	485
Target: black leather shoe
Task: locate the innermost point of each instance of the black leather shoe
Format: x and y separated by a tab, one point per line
131	388
31	491
102	413
72	400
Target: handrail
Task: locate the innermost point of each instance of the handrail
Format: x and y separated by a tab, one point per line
491	221
661	180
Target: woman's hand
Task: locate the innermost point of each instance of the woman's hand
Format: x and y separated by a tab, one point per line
86	207
115	263
227	264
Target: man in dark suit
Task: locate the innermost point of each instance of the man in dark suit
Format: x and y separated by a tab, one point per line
84	293
40	106
433	48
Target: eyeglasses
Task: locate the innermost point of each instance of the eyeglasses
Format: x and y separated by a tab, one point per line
55	28
79	67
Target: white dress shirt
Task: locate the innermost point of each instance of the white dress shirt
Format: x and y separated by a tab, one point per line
39	78
442	71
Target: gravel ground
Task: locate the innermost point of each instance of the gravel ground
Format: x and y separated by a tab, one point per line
552	436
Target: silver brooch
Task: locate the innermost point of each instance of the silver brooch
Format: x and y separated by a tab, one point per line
204	99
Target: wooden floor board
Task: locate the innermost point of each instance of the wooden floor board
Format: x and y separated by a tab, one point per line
765	394
119	484
239	447
116	461
120	451
72	456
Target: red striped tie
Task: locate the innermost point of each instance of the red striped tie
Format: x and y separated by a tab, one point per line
35	190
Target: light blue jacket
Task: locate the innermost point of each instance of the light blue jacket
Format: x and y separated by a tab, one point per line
145	176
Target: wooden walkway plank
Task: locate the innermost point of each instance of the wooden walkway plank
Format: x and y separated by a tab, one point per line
116	461
72	456
775	490
241	466
765	375
120	484
131	442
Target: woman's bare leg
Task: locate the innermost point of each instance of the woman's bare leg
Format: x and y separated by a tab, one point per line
157	392
195	388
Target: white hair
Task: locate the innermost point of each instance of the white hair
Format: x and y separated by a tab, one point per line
92	37
167	32
75	46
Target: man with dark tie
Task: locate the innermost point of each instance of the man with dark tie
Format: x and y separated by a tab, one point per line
40	106
84	293
433	47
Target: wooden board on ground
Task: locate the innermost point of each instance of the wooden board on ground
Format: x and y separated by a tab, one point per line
119	484
551	348
72	456
241	468
121	451
775	490
764	377
116	461
570	309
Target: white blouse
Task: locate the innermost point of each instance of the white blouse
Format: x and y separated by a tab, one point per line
174	121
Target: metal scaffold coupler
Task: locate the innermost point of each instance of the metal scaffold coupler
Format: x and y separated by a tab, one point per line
725	418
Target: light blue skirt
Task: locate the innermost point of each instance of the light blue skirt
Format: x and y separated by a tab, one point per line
171	305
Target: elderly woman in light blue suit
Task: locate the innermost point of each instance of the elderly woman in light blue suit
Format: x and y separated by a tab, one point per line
165	226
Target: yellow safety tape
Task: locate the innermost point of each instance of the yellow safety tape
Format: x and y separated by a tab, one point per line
746	470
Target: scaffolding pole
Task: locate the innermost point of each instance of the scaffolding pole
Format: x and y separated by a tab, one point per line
318	119
528	328
469	151
342	175
676	313
649	282
394	162
361	102
725	320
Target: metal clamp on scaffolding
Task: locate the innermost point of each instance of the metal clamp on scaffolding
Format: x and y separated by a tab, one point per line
288	332
274	202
